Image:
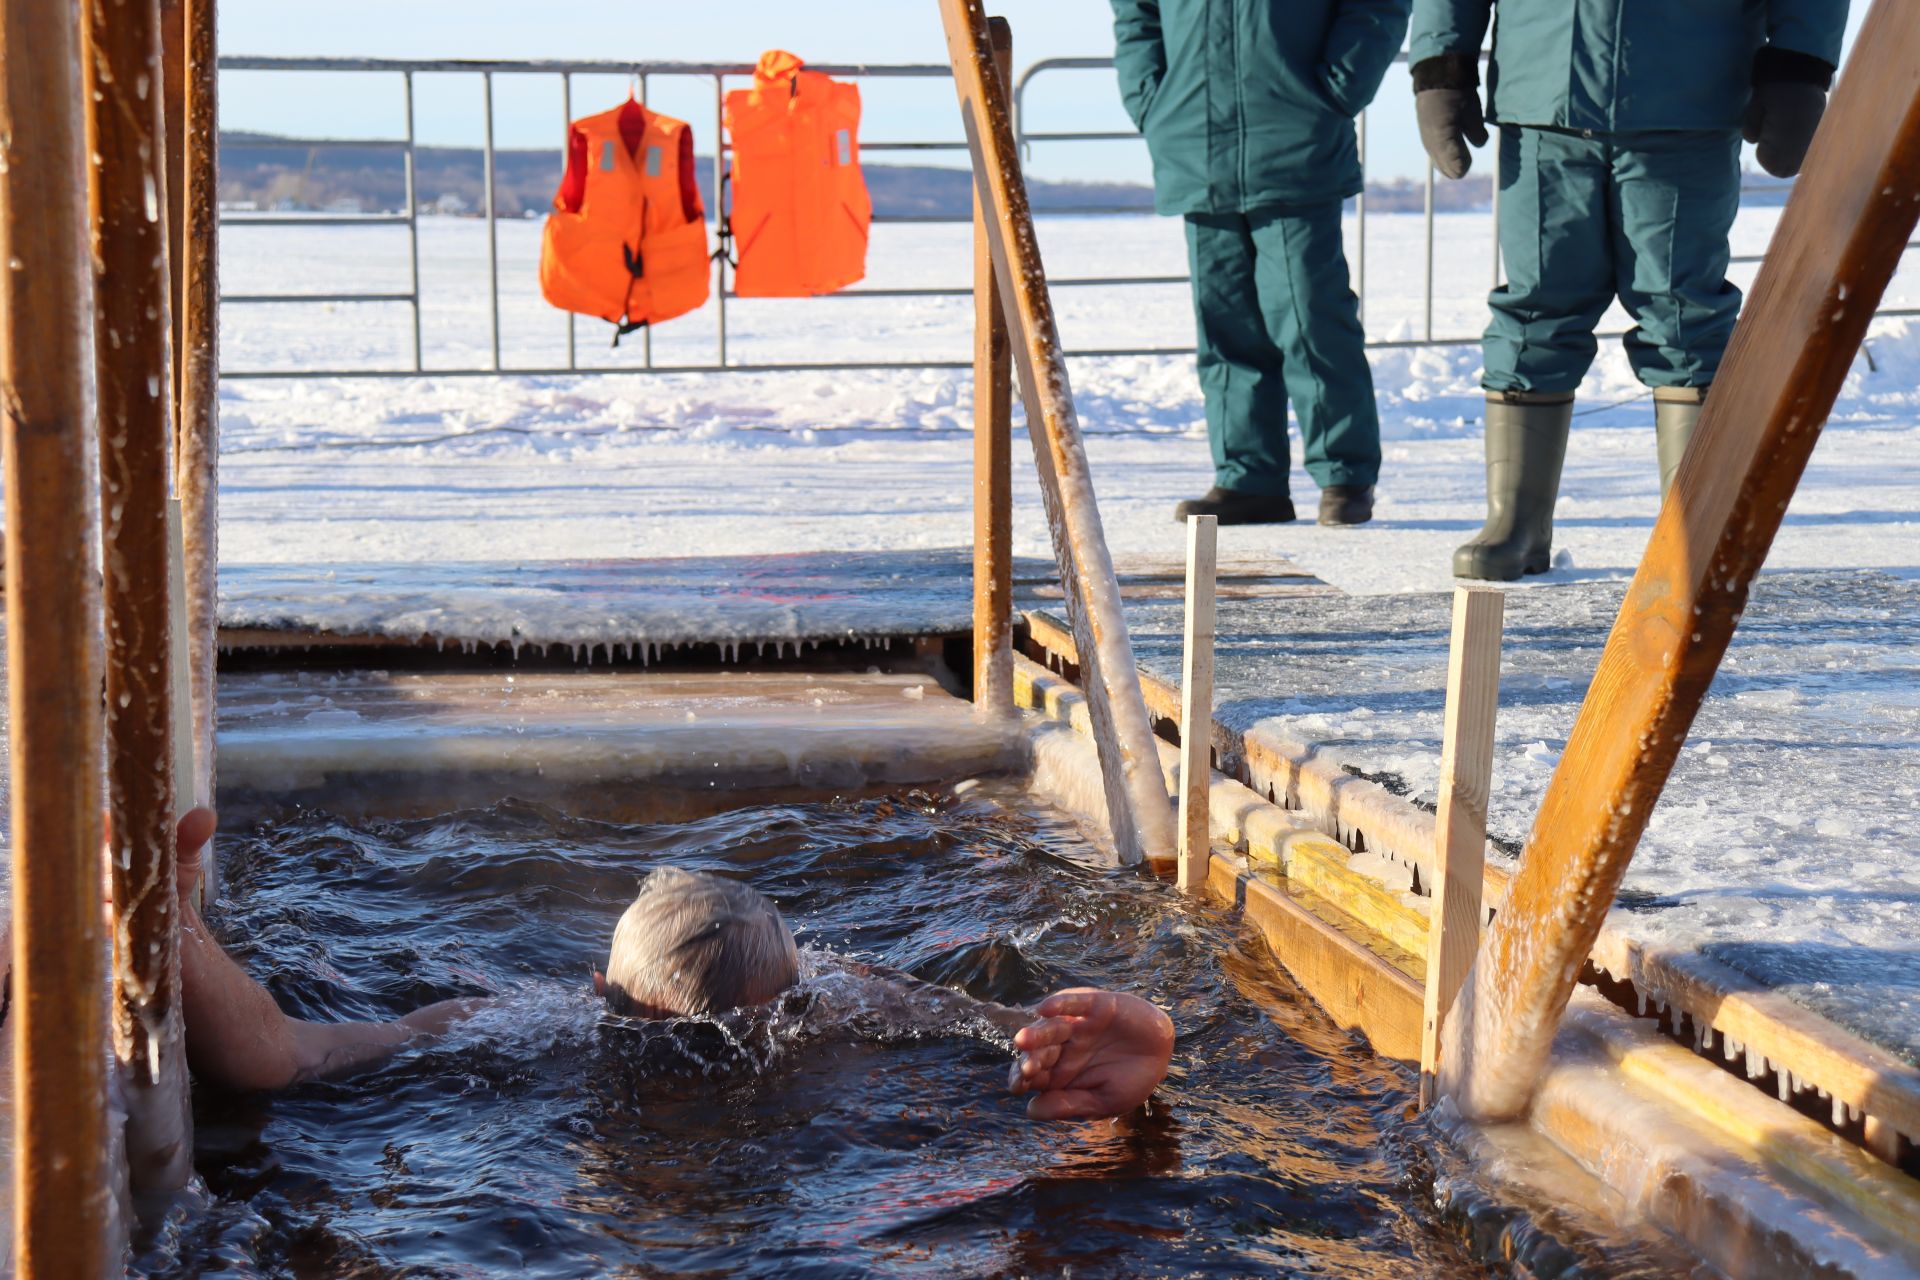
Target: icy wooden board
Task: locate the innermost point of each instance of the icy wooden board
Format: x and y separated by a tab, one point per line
63	1218
148	718
740	600
992	456
1196	703
630	746
1838	244
1466	781
1141	815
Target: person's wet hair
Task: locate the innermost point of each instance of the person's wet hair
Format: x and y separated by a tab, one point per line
693	943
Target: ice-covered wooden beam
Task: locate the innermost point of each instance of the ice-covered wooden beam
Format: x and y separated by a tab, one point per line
133	380
62	1219
1140	812
1839	242
197	455
992	455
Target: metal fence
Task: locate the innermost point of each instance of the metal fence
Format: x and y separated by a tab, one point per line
643	74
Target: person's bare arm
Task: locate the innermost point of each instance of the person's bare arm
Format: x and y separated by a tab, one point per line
904	1002
238	1038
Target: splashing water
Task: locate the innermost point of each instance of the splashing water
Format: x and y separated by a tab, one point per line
827	1134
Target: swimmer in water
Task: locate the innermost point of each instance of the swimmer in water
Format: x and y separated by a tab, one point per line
689	945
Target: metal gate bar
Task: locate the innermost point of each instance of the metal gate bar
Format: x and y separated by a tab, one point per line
718	74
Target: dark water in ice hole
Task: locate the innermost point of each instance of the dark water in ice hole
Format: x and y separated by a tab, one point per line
556	1141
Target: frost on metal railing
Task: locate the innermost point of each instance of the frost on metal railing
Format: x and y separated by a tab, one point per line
438	312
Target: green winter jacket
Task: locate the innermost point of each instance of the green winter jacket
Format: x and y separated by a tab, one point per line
1249	104
1620	66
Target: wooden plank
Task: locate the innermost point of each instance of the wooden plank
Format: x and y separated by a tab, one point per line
62	1219
1466	783
1769	1029
1819	1162
132	374
173	111
1318	864
1839	242
1196	703
197	458
1141	815
1357	988
992	455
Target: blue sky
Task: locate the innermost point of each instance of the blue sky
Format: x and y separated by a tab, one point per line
528	109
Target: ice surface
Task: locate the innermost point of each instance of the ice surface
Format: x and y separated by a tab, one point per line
1784	845
635	466
633	608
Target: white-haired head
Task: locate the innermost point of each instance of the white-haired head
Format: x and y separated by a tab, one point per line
693	943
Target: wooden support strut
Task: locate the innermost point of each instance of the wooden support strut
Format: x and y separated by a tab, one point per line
1196	705
992	456
173	111
197	459
1838	244
1466	782
124	133
1139	812
62	1220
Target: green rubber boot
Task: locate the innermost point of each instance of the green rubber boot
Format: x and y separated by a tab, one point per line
1676	412
1526	446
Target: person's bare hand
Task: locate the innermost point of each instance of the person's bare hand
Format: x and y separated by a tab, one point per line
1090	1054
190	842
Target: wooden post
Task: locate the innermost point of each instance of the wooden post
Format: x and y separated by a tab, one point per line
992	457
61	1201
1838	243
132	373
1466	781
1138	809
198	458
173	111
1196	706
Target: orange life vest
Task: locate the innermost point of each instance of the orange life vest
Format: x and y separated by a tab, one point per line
627	239
800	205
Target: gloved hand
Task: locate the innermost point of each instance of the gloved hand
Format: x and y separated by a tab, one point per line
1446	101
1781	118
1449	119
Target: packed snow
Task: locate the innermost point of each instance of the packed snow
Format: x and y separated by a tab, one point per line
636	465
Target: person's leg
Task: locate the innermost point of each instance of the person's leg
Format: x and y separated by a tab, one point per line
1676	196
1557	246
1314	320
1240	368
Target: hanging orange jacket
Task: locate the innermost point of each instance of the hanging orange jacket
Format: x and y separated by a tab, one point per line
627	239
800	205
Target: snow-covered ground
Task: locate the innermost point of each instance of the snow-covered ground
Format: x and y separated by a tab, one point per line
654	465
1760	841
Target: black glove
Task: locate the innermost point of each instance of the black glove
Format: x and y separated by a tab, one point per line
1446	101
1789	97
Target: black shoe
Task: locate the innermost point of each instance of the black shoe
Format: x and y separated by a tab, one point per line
1234	507
1346	504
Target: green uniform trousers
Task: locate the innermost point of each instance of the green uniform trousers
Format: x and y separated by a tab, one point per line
1642	217
1277	320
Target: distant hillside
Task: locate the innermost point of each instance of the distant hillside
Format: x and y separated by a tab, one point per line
262	171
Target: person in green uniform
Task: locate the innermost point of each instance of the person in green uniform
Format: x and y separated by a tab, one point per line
1620	126
1248	109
